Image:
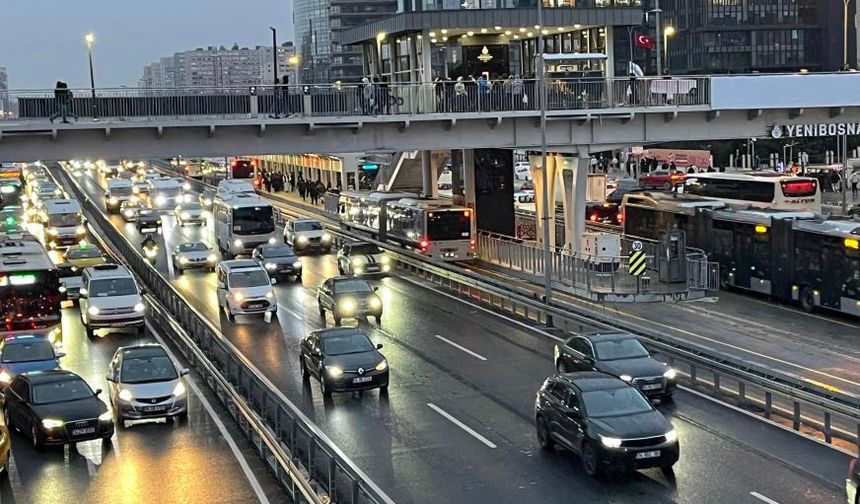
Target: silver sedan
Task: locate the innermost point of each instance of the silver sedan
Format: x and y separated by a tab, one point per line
144	382
193	255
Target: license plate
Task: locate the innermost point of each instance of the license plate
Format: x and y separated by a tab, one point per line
150	409
83	432
653	386
257	305
647	454
362	379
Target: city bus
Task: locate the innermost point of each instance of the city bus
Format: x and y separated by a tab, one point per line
29	289
756	189
242	222
242	168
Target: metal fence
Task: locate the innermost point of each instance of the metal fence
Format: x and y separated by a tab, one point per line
448	97
305	462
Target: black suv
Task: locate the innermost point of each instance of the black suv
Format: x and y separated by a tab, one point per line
611	426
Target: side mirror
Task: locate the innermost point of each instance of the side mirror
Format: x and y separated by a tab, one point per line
184	371
83	292
110	378
375	289
379	346
60	355
274	281
143	291
98	391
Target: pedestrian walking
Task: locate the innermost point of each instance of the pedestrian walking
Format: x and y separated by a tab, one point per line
302	188
855	181
63	101
460	95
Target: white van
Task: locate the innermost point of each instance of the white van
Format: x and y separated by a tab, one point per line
244	288
119	190
63	223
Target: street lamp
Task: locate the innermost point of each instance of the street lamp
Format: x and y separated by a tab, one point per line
845	36
656	11
667	32
545	218
90	38
294	62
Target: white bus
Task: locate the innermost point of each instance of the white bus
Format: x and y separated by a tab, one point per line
757	190
63	223
432	227
242	221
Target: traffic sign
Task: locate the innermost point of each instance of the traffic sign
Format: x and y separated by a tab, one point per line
637	245
637	263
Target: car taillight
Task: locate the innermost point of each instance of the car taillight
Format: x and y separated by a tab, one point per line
472	244
593	217
234	163
620	217
800	188
424	244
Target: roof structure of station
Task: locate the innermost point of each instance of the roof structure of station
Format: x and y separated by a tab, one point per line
499	38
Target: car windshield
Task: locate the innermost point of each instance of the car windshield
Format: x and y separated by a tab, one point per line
148	213
342	344
308	226
193	247
278	251
61	391
364	249
348	286
83	253
108	287
154	368
250	278
190	206
629	348
615	402
37	350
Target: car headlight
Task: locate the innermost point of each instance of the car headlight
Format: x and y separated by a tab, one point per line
271	266
207	201
184	216
63	288
160	200
272	241
334	371
385	260
125	395
670	374
671	436
129	213
270	295
238	296
357	261
302	239
610	442
106	416
179	389
375	302
139	307
183	260
80	230
52	232
347	305
186	186
93	310
626	377
237	243
297	264
382	366
212	258
326	237
51	423
5	377
113	200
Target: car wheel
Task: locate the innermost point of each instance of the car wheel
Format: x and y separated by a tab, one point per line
212	270
91	332
336	321
34	438
298	279
326	392
378	320
543	434
340	270
668	471
561	367
665	186
230	316
807	300
322	311
590	462
383	390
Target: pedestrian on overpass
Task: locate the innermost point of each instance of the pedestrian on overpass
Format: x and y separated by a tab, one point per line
63	101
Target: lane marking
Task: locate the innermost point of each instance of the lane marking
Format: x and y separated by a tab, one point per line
455	345
762	498
461	425
249	474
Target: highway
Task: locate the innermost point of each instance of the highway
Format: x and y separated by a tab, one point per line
189	461
456	425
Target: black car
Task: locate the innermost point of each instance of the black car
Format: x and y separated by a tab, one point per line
853	482
620	354
611	426
56	407
148	220
278	260
343	359
348	297
609	212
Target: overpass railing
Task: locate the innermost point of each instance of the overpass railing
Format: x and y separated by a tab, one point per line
336	100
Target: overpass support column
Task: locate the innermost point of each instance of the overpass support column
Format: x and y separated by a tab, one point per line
537	177
429	174
575	187
457	177
469	177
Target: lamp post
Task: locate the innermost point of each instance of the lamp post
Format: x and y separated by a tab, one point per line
545	217
90	38
657	12
845	35
667	32
294	62
274	55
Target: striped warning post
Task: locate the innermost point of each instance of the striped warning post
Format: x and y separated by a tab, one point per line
637	263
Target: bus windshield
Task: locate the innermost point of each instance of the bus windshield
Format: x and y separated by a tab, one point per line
64	220
449	225
29	300
120	191
253	220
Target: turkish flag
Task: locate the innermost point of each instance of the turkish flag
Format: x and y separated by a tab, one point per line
644	41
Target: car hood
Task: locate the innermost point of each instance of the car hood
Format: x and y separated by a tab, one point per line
310	234
253	292
68	411
149	218
195	254
366	360
27	367
280	260
641	425
114	301
637	368
358	296
192	213
153	389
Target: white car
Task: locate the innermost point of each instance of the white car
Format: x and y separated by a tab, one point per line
244	288
110	299
362	258
193	255
189	213
307	235
522	170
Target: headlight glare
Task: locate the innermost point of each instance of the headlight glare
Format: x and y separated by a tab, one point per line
382	366
347	305
670	374
5	377
106	416
270	295
139	307
271	266
375	302
334	371
610	442
212	258
626	378
297	264
356	261
237	243
125	395
671	436
179	389
93	310
80	230
51	423
183	260
302	239
385	259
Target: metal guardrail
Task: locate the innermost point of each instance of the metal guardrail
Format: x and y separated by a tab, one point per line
307	464
775	394
321	100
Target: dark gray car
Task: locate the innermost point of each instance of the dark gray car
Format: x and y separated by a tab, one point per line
343	359
347	297
278	260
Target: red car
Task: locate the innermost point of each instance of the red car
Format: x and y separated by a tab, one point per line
661	179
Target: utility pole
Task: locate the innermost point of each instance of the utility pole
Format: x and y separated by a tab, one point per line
274	56
541	82
658	38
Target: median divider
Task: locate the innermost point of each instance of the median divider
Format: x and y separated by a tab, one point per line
306	463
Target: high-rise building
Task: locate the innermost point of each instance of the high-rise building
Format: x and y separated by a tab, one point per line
318	23
742	36
4	91
219	67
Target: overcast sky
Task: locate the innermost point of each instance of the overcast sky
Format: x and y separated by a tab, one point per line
42	41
